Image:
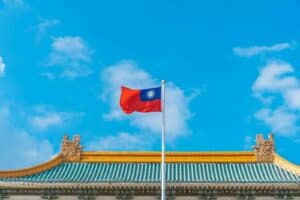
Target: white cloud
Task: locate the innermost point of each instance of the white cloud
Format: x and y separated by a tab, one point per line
254	50
292	97
73	55
282	121
278	78
46	117
2	66
19	148
49	119
43	26
177	102
279	87
121	141
275	77
14	3
74	48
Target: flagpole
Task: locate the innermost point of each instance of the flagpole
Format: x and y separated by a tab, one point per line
163	166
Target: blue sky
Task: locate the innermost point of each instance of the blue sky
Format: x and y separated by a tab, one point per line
232	70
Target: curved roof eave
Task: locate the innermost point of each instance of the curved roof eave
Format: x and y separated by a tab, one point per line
32	170
287	165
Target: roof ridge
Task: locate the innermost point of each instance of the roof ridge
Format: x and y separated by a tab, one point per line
171	157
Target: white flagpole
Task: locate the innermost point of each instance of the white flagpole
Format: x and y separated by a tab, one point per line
163	165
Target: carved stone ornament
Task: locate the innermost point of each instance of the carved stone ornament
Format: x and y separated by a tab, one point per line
71	149
264	149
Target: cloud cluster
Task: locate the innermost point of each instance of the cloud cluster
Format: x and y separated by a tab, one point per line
2	66
128	73
43	26
73	55
255	50
20	149
278	88
281	120
46	117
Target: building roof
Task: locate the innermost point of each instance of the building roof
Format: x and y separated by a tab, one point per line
73	166
150	172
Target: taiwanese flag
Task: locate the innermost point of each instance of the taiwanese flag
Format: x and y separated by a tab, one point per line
144	100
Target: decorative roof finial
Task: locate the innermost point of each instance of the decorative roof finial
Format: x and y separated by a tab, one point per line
264	149
71	149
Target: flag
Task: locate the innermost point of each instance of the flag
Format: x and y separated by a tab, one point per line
143	100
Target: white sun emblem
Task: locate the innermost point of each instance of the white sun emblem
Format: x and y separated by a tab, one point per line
150	94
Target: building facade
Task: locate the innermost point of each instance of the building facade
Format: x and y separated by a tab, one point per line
77	174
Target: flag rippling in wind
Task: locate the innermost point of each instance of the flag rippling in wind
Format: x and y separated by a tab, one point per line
143	100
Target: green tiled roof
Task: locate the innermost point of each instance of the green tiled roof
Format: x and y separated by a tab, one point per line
150	173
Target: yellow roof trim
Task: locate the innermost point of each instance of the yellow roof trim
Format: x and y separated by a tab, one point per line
171	157
32	170
139	157
287	165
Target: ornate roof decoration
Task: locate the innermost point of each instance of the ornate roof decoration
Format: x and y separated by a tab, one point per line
264	149
71	149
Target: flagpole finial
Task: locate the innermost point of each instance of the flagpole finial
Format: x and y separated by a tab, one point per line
163	81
